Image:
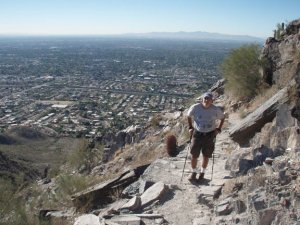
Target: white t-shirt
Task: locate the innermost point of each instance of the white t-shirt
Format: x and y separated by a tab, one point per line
205	119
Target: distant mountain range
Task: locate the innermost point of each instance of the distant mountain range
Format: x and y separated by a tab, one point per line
198	35
181	35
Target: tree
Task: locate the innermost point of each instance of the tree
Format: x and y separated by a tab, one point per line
241	71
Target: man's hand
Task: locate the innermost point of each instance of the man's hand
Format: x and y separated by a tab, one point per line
217	131
191	130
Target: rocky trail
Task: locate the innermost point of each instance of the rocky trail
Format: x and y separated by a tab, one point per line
179	201
191	203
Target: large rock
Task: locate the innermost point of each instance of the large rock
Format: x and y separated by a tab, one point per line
253	123
103	193
136	188
224	207
126	220
132	204
267	216
88	219
115	141
155	192
258	200
218	87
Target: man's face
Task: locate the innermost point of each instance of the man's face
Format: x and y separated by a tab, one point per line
206	102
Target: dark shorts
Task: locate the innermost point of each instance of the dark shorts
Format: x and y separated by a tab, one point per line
203	142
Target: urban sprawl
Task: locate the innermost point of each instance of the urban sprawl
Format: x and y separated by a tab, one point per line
87	86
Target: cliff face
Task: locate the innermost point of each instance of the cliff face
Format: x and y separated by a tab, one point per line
282	59
266	162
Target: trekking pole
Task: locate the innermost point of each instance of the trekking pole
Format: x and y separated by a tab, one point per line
189	148
212	168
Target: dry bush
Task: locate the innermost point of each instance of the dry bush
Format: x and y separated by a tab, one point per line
155	120
263	96
116	194
242	113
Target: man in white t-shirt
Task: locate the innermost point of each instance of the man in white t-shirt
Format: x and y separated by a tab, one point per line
202	119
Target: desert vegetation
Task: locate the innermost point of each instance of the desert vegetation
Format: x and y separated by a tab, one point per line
241	71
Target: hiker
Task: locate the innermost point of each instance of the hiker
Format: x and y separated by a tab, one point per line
202	118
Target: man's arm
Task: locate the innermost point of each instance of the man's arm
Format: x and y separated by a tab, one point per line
219	128
190	122
191	128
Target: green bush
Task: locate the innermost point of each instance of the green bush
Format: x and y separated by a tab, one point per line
241	72
70	184
77	158
12	207
85	156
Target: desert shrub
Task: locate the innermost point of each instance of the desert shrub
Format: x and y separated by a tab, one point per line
85	156
12	208
278	31
155	120
241	71
243	114
70	184
76	158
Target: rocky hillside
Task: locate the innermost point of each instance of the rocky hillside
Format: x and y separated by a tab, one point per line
253	177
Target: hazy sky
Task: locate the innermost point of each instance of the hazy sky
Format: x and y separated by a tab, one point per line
247	17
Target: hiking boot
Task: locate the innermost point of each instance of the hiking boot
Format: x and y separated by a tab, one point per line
201	176
193	177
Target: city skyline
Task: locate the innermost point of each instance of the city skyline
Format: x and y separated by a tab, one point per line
77	17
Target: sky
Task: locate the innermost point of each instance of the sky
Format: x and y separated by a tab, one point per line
256	18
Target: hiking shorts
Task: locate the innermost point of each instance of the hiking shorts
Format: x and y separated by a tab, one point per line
203	142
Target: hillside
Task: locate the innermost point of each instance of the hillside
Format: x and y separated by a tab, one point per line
256	174
253	178
35	149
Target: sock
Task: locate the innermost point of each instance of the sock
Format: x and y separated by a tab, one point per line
196	170
203	170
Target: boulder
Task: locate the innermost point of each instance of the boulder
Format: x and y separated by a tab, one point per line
224	207
253	123
132	204
103	193
136	188
88	219
258	200
202	221
267	216
126	220
218	87
155	192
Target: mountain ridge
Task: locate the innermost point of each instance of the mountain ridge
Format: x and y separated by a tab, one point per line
196	35
179	35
